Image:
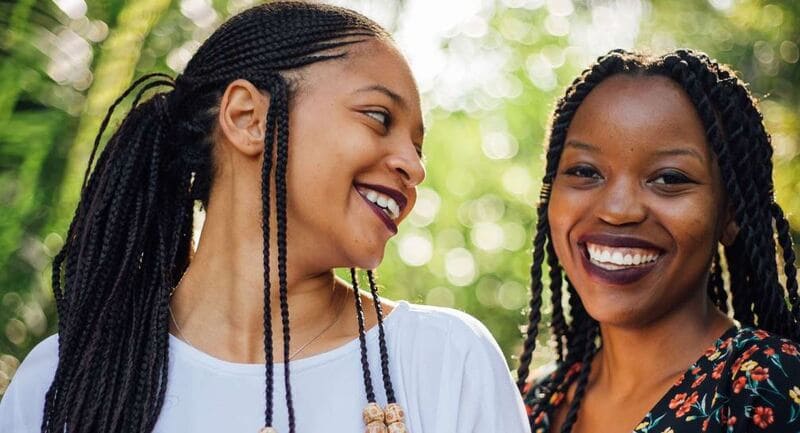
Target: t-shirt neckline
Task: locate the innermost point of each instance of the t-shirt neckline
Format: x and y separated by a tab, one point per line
180	351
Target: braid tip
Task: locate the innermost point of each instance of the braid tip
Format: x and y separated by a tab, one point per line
267	429
395	418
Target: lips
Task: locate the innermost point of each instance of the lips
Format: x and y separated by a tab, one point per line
380	212
618	260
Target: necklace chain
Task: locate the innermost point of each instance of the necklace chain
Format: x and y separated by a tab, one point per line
293	354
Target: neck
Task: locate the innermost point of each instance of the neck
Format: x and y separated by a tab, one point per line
654	355
219	302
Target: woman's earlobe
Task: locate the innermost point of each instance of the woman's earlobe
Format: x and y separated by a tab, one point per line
729	231
242	117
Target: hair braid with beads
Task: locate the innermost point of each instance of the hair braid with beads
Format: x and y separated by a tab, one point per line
129	241
736	136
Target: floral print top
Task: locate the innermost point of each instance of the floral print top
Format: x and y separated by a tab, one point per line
748	381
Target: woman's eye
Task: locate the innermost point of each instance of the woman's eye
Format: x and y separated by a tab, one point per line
583	171
381	116
671	178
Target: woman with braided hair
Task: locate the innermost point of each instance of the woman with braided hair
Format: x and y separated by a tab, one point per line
658	220
298	127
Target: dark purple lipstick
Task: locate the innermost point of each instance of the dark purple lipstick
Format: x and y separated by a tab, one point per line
398	197
623	276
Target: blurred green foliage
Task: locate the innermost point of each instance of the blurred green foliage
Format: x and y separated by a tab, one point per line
467	244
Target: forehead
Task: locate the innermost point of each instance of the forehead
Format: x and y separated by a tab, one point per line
373	62
638	113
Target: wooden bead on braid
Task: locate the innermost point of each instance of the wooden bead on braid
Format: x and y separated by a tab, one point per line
268	430
373	413
397	427
376	427
395	418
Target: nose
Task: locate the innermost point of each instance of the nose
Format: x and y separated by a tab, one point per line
407	165
621	203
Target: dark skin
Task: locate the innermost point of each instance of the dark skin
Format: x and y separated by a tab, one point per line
636	165
356	120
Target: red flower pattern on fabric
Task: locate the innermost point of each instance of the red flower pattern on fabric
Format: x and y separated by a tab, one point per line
759	373
717	373
739	384
763	370
762	416
699	380
789	349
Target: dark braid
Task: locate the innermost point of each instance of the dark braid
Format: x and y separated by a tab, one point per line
716	285
129	241
735	133
387	379
589	350
558	324
535	314
266	170
362	338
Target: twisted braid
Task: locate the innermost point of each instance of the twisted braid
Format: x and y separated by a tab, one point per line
129	241
362	339
384	352
736	135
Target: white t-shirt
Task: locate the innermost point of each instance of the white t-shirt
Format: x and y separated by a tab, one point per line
448	374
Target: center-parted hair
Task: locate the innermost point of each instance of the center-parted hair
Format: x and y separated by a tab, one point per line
735	133
129	242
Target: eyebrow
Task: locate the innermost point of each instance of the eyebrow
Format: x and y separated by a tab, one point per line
582	146
680	151
386	91
395	97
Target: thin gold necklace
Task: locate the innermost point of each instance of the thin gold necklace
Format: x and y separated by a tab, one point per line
330	325
292	355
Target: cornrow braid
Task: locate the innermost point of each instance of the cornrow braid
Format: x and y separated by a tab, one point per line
130	239
736	135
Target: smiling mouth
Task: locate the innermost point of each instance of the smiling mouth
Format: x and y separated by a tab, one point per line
618	260
386	203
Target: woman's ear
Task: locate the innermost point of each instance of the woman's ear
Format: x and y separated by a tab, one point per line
243	117
729	229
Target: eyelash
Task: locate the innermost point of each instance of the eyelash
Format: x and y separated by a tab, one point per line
678	177
577	170
589	172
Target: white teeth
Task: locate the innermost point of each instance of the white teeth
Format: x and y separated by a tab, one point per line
386	203
394	208
617	258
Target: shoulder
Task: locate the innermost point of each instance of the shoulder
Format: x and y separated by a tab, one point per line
759	346
452	364
765	380
445	328
40	364
23	402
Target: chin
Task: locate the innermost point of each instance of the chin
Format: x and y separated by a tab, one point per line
366	259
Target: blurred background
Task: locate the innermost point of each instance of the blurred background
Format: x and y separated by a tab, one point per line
489	72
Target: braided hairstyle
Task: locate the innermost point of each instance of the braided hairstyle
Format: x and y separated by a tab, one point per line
735	132
129	241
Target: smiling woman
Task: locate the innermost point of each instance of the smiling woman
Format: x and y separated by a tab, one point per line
654	166
158	336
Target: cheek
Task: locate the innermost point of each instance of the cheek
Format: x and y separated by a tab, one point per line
692	223
562	213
